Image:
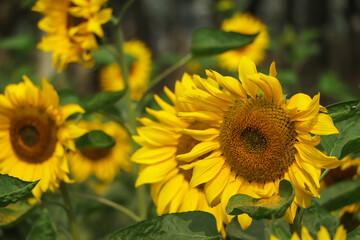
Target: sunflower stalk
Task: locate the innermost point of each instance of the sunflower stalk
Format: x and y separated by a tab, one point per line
70	212
141	191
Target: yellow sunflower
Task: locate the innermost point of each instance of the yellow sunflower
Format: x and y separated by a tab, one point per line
246	24
255	140
34	135
323	234
348	170
160	142
71	26
104	163
111	77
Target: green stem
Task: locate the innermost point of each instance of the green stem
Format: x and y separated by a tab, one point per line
117	21
296	226
70	212
324	174
112	204
165	73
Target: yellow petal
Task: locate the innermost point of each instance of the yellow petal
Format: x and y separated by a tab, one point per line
323	234
247	67
201	135
310	111
216	185
155	173
167	118
244	220
273	72
314	156
199	150
157	136
295	236
168	192
340	233
152	155
70	109
204	170
200	116
164	105
305	235
324	125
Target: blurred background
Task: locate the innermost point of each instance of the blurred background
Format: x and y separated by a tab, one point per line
315	44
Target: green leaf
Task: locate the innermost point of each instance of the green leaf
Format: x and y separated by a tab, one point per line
340	194
354	234
317	216
278	231
257	230
43	229
67	97
346	117
21	42
104	56
100	100
95	139
258	208
188	225
13	189
207	41
14	213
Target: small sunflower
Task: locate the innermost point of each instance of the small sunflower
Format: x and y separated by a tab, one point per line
34	135
139	74
323	234
104	163
348	170
160	142
71	27
245	24
255	141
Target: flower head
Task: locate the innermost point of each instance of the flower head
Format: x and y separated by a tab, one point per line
71	27
245	24
34	135
254	139
111	76
103	162
160	142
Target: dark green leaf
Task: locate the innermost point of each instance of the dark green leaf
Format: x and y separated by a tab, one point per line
354	234
95	139
14	213
340	194
259	208
278	231
68	97
13	189
100	100
43	229
254	232
188	225
207	41
346	116
104	56
317	216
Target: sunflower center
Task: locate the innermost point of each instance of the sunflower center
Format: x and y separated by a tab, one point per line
337	175
257	139
33	135
95	154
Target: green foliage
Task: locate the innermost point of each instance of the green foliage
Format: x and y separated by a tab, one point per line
278	231
104	56
13	189
340	194
346	117
317	216
188	225
100	100
259	229
14	213
207	41
354	234
43	228
95	139
258	208
332	86
21	42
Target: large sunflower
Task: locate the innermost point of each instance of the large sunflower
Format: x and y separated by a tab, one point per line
71	26
161	142
104	163
139	65
255	140
245	24
34	135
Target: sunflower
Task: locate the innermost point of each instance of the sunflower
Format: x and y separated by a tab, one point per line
348	170
34	135
160	142
139	75
254	140
104	163
323	234
71	27
245	24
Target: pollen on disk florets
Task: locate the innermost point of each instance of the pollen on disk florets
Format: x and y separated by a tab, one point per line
257	139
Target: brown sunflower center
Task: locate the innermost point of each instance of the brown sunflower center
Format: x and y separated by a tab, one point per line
337	175
257	139
95	154
33	135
